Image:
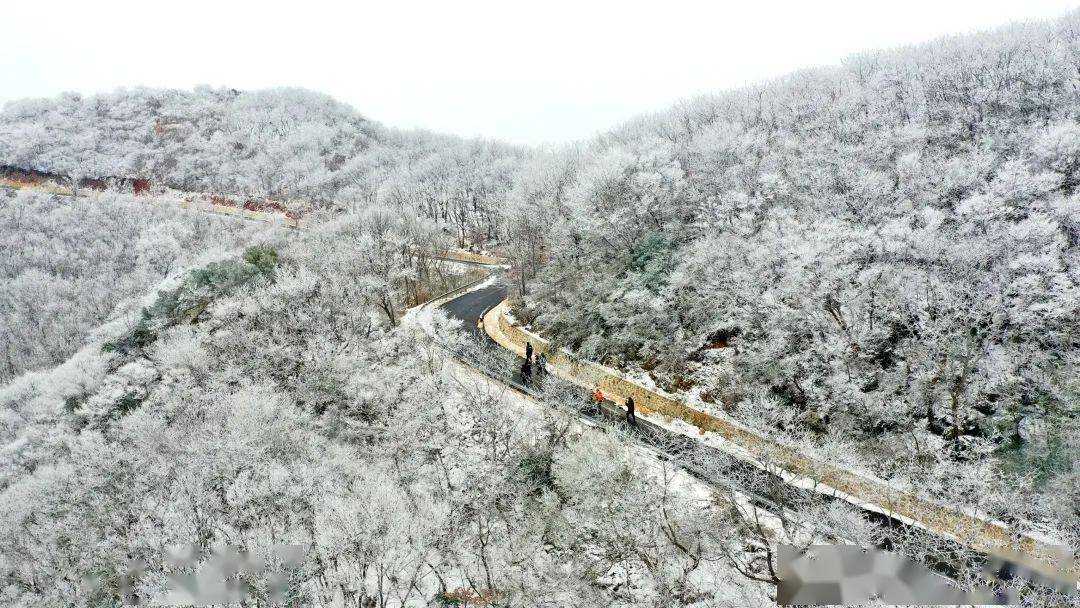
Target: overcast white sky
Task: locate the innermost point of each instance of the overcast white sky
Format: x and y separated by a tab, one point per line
526	72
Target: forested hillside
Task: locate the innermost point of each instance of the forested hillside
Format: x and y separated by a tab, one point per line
291	145
880	261
67	265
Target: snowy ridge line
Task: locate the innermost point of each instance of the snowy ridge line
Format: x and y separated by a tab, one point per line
979	533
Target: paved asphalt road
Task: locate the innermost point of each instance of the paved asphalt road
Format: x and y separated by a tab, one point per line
470	306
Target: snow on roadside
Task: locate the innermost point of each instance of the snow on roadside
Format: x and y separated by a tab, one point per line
682	483
423	314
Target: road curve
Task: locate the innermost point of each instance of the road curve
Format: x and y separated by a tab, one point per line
469	306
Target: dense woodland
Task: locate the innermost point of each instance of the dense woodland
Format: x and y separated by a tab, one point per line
68	265
877	262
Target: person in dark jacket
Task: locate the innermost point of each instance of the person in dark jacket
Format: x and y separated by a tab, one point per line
528	351
526	372
631	419
541	364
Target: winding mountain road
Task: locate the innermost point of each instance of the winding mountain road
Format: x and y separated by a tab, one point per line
702	460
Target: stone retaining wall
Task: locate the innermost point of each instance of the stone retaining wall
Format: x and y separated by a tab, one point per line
241	212
476	258
199	206
594	375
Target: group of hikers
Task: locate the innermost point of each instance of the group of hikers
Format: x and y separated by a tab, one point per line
527	366
540	361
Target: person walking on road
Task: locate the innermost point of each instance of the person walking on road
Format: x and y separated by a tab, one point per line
631	419
526	372
528	351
